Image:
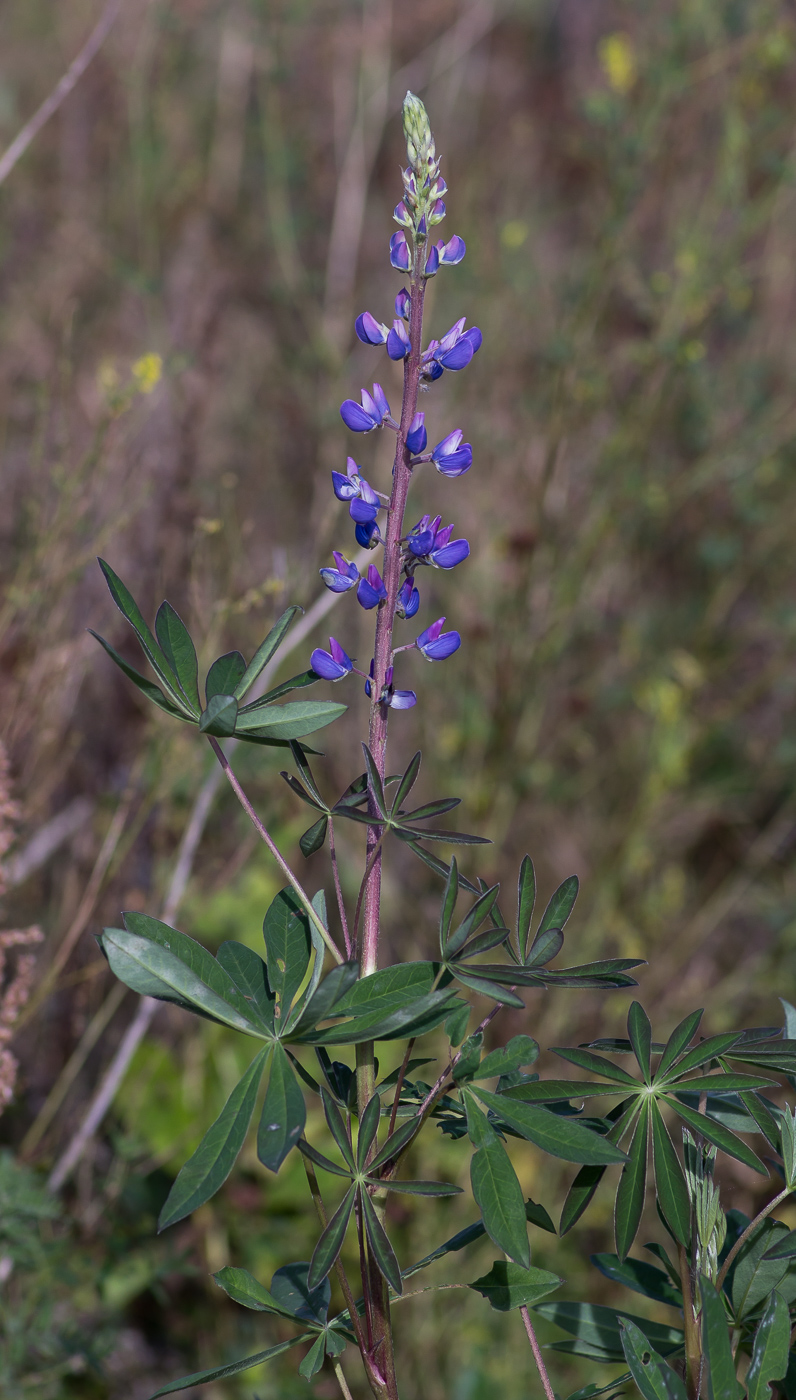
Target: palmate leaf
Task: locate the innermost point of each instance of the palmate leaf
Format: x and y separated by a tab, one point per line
208	1168
654	1378
509	1286
130	610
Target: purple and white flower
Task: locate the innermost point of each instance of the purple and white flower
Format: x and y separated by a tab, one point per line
436	645
451	457
368	535
371	590
400	257
342	577
369	330
372	413
395	699
403	304
429	544
398	342
333	664
454	351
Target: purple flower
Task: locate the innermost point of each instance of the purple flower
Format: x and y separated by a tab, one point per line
403	304
348	486
395	699
432	262
454	351
408	600
398	343
435	644
431	545
369	330
422	227
438	212
451	457
342	577
331	665
368	534
402	216
370	415
417	437
366	506
400	256
453	251
371	591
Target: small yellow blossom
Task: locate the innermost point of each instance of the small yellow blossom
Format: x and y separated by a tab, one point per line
618	62
147	373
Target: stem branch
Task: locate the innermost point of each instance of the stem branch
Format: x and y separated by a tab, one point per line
741	1240
537	1354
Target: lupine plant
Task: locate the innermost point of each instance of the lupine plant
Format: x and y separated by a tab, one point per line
322	986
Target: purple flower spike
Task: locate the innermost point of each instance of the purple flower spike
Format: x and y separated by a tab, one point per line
437	645
369	330
398	343
408	600
342	577
403	304
432	263
451	457
417	437
371	591
368	534
453	251
400	256
331	665
370	415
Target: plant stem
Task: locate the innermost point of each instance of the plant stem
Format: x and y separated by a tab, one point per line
537	1354
693	1341
372	858
275	852
741	1240
341	1380
399	1085
347	939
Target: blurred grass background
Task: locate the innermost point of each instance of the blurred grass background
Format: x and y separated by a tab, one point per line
182	253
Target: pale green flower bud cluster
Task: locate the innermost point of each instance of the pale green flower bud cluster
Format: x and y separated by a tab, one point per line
709	1218
423	205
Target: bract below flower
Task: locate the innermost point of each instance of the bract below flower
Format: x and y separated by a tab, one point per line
333	664
342	577
436	645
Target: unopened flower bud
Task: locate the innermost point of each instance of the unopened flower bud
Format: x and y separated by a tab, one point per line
419	140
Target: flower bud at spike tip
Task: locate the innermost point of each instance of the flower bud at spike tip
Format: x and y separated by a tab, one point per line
417	130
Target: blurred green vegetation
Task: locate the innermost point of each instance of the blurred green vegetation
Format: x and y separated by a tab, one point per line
217	192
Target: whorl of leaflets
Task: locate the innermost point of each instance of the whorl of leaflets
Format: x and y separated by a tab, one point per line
428	543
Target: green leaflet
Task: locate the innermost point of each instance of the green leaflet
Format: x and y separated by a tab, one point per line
153	970
526	899
248	972
265	651
129	609
654	1378
331	1240
180	653
770	1353
753	1276
313	1361
290	1286
639	1033
288	947
207	1170
499	1197
719	1136
292	721
722	1383
224	675
218	1373
284	1113
561	1137
245	1289
670	1180
509	1286
632	1187
598	1327
642	1277
380	1245
147	688
220	717
560	907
